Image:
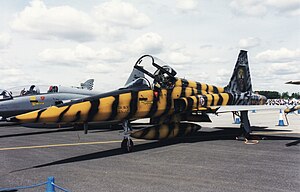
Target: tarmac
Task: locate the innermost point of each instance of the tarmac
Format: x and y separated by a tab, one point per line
210	160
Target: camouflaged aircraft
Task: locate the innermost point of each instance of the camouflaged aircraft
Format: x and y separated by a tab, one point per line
170	102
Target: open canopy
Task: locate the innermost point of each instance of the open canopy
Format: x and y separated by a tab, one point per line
5	95
155	69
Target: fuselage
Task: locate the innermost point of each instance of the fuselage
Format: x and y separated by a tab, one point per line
131	103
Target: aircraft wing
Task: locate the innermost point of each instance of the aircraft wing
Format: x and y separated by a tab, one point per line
220	104
230	108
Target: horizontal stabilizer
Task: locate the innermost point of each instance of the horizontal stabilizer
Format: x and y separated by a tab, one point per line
230	108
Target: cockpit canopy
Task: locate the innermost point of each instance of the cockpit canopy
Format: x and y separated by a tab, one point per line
33	90
28	90
160	73
53	89
5	95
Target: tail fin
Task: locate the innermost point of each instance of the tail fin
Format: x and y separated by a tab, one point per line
240	81
88	84
135	74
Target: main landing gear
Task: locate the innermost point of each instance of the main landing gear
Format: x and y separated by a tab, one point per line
127	143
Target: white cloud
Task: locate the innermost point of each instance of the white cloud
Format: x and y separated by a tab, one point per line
5	40
148	43
223	77
179	58
65	22
99	68
11	76
81	54
10	71
187	5
262	7
279	56
176	46
285	68
248	7
249	42
121	14
284	5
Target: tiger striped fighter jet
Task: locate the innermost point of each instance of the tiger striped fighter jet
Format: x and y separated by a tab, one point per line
170	102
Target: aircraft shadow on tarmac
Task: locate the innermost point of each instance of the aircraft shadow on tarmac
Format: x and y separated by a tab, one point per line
59	130
218	133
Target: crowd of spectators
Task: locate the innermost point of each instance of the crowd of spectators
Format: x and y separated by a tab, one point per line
283	102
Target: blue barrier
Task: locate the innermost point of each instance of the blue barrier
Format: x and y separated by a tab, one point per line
50	186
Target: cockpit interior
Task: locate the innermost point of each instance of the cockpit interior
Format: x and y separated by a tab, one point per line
156	71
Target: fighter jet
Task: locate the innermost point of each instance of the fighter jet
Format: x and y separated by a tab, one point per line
170	102
18	100
293	82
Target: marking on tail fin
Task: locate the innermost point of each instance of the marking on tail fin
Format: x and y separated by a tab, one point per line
240	81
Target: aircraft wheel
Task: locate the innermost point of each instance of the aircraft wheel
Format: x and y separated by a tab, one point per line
127	145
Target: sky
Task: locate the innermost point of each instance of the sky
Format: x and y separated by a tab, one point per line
66	42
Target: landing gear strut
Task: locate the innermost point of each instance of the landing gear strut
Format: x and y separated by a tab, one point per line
245	128
127	143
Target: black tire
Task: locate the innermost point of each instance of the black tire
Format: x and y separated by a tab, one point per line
127	147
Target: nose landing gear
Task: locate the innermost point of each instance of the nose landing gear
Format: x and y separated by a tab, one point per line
127	143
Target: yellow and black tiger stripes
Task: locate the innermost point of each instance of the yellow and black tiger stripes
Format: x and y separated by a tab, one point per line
204	88
216	99
136	103
192	84
178	83
123	107
105	108
199	101
145	103
220	89
93	110
189	88
165	131
73	113
209	99
176	92
210	89
161	103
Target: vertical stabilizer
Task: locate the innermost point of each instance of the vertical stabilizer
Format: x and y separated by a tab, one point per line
88	84
240	81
